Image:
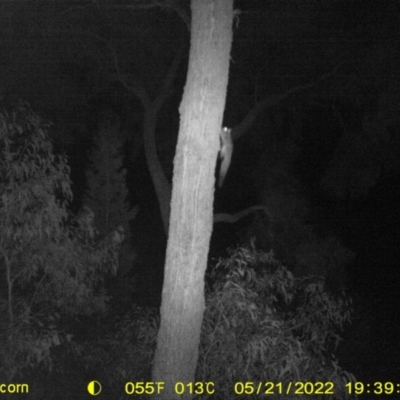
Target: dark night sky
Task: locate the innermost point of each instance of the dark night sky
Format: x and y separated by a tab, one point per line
331	70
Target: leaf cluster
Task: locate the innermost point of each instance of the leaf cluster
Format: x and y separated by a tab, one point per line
30	341
48	260
127	352
261	324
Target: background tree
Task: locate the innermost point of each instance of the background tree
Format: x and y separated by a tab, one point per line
50	269
31	213
106	192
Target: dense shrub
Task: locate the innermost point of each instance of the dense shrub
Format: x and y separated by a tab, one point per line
262	325
48	267
126	352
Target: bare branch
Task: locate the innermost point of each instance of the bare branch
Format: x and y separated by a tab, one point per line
222	217
136	89
136	5
270	101
171	74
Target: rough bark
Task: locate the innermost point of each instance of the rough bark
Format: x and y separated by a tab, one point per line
191	217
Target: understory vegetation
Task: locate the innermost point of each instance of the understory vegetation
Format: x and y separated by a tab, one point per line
263	325
52	264
260	324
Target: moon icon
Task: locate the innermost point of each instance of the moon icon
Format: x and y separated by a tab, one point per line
94	388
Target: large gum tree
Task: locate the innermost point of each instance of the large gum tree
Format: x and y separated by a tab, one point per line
191	218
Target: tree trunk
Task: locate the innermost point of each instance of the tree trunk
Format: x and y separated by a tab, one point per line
191	217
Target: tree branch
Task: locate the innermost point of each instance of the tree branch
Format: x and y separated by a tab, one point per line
222	217
136	89
270	101
147	4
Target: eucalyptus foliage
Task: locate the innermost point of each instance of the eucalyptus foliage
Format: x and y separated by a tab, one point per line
45	262
262	325
106	186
